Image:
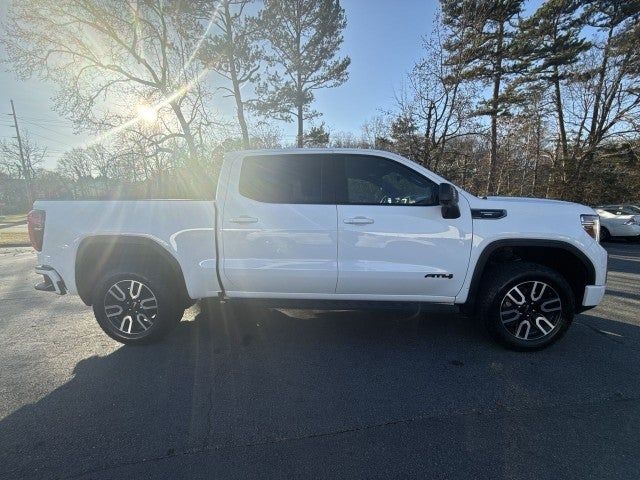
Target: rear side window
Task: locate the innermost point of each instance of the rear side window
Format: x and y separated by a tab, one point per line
285	178
379	181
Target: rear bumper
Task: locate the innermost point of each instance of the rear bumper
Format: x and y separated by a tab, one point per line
593	295
52	281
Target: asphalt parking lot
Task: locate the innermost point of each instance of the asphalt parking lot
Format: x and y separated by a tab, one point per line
255	393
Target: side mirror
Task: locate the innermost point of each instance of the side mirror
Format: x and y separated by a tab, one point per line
448	197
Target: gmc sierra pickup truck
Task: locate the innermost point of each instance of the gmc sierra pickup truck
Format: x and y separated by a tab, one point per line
326	226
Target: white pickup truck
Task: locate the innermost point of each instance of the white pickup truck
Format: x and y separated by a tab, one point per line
325	226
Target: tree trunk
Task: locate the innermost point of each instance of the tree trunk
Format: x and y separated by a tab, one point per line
594	135
300	112
445	130
564	147
465	163
552	174
234	79
499	183
300	137
299	97
240	113
497	78
186	131
536	160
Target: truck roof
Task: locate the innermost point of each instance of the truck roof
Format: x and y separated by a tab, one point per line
290	151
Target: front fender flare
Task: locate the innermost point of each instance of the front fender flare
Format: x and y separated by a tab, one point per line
494	245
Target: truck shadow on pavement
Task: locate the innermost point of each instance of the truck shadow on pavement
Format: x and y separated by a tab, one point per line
238	382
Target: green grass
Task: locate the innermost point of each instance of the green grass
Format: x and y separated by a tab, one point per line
14	239
14	218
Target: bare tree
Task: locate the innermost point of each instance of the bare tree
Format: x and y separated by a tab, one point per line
116	63
75	165
605	99
22	165
438	97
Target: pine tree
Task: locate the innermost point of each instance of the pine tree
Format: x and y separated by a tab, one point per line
317	136
549	44
485	54
406	139
303	38
233	52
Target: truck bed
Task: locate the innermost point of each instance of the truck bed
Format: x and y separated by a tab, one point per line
185	228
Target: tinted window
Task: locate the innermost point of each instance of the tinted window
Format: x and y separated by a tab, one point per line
379	181
284	178
630	210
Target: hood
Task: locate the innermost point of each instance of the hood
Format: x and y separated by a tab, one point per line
529	200
529	205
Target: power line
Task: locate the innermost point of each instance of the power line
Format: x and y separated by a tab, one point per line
45	120
50	139
37	125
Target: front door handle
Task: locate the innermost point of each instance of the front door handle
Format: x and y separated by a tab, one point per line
244	219
358	220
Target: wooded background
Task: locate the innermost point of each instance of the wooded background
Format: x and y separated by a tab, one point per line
500	103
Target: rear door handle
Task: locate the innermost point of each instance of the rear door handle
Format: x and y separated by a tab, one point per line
244	219
358	220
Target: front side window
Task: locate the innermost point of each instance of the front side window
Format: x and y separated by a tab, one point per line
284	178
630	210
379	181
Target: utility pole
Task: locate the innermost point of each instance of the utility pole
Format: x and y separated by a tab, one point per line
25	169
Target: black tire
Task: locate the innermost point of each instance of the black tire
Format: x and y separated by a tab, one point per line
500	281
162	319
605	236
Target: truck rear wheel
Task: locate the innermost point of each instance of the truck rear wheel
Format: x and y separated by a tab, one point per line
134	306
526	306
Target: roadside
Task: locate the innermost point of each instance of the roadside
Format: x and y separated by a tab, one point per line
14	236
13	230
13	219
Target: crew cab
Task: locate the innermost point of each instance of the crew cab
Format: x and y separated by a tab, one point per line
323	227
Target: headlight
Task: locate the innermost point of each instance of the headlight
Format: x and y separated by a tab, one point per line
591	225
632	221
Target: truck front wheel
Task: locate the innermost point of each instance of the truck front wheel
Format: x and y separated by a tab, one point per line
136	308
526	306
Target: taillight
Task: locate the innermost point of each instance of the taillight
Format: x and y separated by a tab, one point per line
35	223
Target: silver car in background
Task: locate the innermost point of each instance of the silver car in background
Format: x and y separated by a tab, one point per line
619	221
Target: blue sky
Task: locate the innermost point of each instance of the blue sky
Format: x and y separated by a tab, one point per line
383	39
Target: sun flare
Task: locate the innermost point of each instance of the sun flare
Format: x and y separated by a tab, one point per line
147	113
